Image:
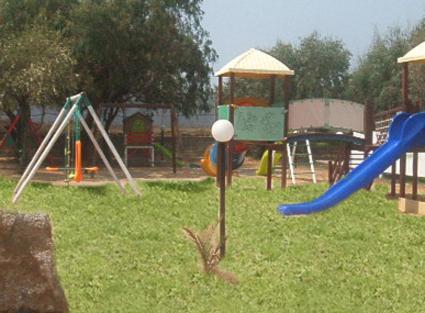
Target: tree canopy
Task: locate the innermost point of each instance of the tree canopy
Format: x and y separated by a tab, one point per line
321	66
151	50
154	50
377	78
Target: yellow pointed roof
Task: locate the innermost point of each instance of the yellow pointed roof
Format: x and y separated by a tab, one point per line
416	55
256	64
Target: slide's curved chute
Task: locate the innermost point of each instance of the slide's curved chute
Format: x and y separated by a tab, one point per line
406	132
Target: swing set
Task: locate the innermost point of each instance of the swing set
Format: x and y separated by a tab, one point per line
73	153
70	115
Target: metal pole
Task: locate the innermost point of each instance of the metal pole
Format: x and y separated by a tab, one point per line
44	154
113	150
41	147
102	155
231	143
222	182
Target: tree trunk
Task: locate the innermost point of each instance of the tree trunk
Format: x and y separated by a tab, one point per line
179	138
24	138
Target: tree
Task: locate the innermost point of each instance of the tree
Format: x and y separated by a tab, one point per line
417	71
153	50
377	78
322	67
18	15
35	69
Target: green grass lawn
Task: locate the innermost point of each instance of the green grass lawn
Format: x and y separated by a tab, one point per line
123	254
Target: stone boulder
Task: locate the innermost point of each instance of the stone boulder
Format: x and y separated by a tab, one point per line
28	278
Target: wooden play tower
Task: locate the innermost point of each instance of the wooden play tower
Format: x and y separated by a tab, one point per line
256	121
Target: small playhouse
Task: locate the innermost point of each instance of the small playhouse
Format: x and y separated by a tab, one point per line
138	135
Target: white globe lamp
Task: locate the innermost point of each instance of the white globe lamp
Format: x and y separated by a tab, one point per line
222	131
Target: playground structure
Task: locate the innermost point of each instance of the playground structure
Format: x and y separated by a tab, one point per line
282	127
322	120
406	133
72	110
137	139
256	121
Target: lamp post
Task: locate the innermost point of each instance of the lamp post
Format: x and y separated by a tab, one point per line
222	131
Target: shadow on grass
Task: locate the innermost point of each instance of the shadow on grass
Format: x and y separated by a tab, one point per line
184	186
40	185
96	190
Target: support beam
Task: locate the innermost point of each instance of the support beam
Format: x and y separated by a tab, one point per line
108	141
43	155
393	180
286	88
232	89
403	176
272	89
269	168
284	164
102	155
43	144
407	106
368	124
220	91
415	176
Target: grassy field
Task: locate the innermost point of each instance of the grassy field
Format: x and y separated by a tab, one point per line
122	254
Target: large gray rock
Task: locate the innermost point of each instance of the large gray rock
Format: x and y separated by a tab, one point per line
28	278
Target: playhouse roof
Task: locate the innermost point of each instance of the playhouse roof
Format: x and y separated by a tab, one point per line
256	64
416	55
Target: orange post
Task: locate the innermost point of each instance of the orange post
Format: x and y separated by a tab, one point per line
78	163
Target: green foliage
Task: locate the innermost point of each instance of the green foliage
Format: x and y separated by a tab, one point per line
321	66
35	69
417	71
18	15
154	50
377	79
118	253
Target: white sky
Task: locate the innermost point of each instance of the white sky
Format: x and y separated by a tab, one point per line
237	25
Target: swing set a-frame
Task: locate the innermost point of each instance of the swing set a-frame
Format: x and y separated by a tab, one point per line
72	111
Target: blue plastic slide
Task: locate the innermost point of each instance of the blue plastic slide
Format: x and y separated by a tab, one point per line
406	132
